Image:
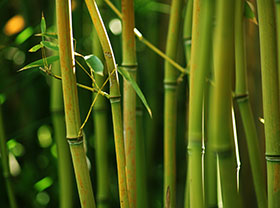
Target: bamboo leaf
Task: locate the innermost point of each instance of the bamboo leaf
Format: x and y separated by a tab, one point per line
95	64
50	45
48	35
43	24
138	91
40	62
249	11
35	48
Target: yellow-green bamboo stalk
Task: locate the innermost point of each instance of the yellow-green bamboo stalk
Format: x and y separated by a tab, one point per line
270	89
65	168
5	164
129	98
242	97
115	99
101	137
200	65
71	104
170	106
187	33
222	108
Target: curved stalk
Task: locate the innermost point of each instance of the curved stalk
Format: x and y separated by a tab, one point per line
114	99
71	104
242	97
270	89
170	106
222	108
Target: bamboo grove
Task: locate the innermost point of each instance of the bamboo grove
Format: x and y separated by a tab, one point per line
176	105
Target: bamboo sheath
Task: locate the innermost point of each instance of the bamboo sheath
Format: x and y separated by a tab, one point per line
71	105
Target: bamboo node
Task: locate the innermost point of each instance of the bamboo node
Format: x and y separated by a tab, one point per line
272	158
130	68
241	97
75	140
115	98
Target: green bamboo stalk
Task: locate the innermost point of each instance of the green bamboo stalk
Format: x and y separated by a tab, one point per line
65	168
270	89
114	99
242	97
188	30
101	132
222	108
200	62
5	164
71	104
141	173
277	12
187	36
170	106
129	98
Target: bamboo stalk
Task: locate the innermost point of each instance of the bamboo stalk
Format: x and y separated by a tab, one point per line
187	37
129	63
101	141
114	99
65	168
200	62
270	89
170	106
71	104
5	164
242	97
222	108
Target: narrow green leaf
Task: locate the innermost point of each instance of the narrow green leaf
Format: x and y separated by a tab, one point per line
43	184
95	64
249	10
138	91
48	35
35	48
40	62
50	45
43	24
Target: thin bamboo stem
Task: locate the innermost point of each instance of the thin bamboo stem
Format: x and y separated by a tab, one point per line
201	48
170	106
242	97
71	104
101	141
222	108
5	164
114	99
270	89
129	64
65	168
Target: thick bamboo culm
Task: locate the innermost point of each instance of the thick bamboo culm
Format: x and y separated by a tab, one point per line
242	98
200	65
270	91
170	106
222	108
71	104
129	98
115	100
